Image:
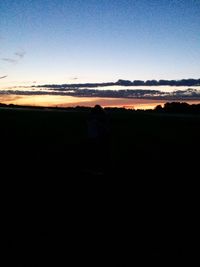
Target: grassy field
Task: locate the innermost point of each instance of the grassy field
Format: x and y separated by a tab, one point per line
46	165
137	138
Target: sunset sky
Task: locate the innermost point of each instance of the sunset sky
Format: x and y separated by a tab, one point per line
70	41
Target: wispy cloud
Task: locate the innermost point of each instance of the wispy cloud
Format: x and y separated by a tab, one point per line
13	60
9	60
73	78
7	98
20	54
2	77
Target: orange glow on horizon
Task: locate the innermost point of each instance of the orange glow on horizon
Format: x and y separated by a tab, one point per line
70	101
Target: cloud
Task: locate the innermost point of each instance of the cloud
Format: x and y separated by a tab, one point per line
9	60
20	54
2	77
7	98
189	94
73	78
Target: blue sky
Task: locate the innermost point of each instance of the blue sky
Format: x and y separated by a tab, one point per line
70	41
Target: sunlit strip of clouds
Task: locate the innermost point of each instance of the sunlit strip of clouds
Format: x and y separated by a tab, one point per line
137	93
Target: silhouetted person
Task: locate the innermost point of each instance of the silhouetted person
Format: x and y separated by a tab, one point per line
99	136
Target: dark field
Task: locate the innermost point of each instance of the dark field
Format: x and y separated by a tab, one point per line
61	195
139	141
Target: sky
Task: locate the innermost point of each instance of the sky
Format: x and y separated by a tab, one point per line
77	41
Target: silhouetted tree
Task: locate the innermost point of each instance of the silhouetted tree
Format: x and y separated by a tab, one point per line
158	108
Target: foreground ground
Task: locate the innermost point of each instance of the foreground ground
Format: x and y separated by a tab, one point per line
58	197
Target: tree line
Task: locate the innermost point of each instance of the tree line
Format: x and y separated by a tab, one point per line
179	107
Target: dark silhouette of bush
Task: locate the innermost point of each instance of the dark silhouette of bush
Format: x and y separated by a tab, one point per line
158	108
